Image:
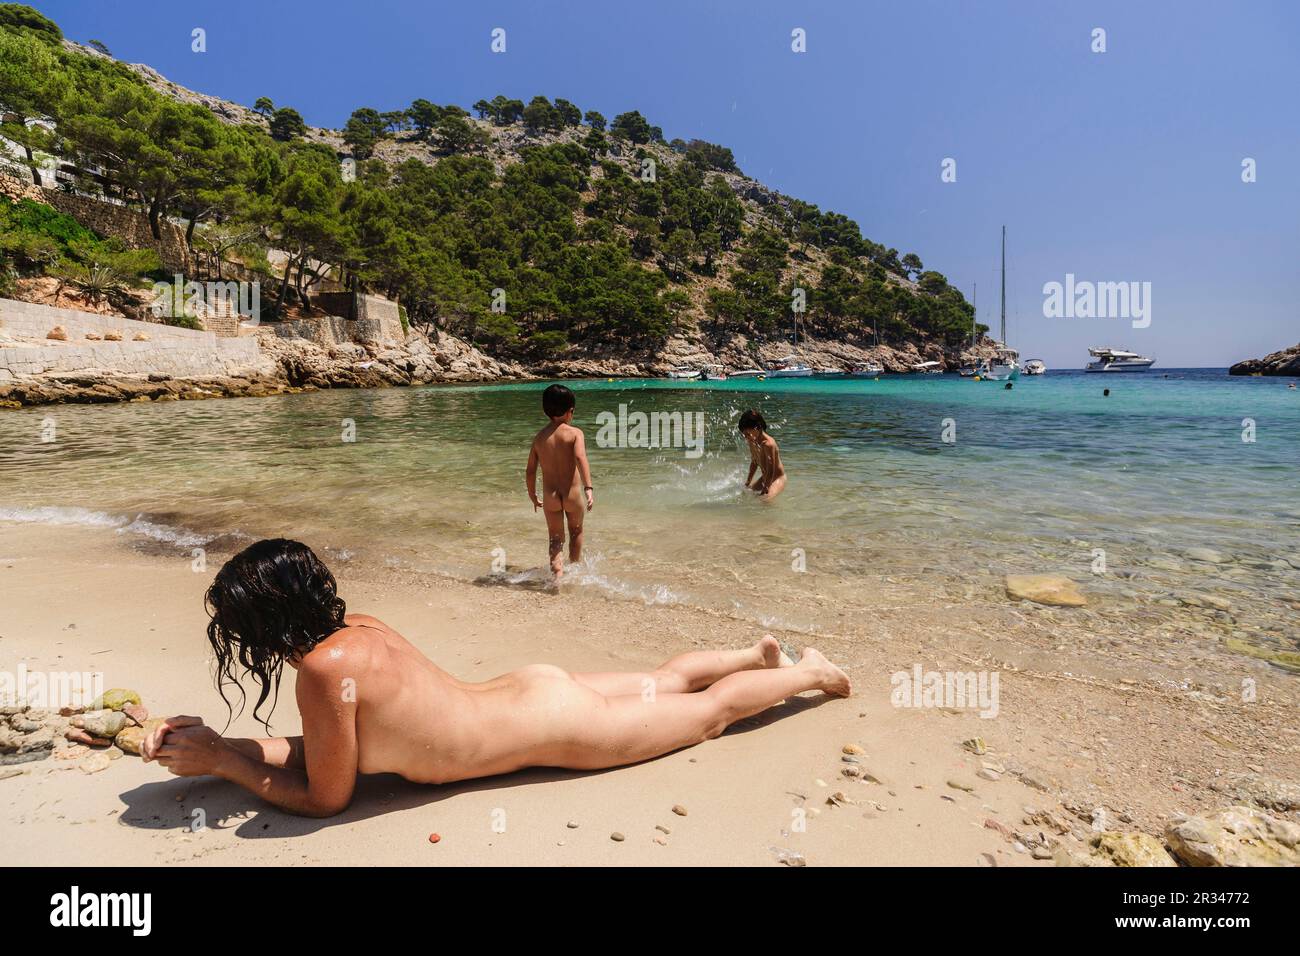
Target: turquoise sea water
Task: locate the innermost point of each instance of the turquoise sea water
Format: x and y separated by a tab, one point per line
1039	478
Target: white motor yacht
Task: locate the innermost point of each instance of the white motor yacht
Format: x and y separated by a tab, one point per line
1117	360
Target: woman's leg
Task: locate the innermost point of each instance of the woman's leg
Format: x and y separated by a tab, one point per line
687	672
633	728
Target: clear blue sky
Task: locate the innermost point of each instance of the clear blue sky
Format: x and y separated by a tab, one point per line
1118	166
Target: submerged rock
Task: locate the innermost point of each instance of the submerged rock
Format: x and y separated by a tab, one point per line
1047	589
1237	836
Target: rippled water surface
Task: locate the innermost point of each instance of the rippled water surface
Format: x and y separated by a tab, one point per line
1040	478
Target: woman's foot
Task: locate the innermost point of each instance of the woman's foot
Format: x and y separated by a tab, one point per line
830	679
769	649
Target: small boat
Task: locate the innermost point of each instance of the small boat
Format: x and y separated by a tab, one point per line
788	367
969	369
1035	367
713	373
1003	367
867	370
1117	360
928	368
747	373
683	373
823	371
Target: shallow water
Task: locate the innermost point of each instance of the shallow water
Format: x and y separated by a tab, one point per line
879	508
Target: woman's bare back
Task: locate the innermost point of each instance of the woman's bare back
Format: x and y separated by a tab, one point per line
416	720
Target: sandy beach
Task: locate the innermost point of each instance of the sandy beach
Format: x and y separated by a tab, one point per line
1067	742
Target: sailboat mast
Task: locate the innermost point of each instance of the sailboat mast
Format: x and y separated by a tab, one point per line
1004	285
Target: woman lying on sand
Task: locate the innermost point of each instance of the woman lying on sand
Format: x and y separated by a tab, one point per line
372	703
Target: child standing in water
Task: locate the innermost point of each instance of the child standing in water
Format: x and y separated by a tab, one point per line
561	450
764	456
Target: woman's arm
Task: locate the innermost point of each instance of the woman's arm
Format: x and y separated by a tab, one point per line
328	746
276	751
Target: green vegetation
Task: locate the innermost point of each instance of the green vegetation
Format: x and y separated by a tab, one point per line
565	240
36	239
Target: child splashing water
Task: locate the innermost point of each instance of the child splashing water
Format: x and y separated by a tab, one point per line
561	451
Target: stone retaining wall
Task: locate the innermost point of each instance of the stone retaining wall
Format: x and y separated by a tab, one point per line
373	318
107	219
31	320
173	352
326	330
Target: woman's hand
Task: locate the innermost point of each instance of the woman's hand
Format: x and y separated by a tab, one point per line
186	747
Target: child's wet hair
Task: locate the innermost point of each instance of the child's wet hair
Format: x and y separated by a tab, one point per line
752	419
556	400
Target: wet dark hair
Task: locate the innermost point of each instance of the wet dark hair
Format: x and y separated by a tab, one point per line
556	400
271	600
752	419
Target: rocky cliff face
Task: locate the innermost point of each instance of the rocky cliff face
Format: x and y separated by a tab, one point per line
418	361
694	349
1285	362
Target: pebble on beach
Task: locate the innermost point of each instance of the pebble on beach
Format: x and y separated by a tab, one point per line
679	809
617	837
435	837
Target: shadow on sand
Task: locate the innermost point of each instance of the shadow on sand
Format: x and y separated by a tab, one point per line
175	803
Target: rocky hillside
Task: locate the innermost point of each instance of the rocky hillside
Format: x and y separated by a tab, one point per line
698	334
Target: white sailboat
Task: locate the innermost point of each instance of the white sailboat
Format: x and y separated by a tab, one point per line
790	366
1005	364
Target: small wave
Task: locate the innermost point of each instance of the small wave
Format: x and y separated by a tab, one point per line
587	574
141	526
82	517
166	534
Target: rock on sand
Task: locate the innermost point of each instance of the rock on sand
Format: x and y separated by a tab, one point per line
1118	849
1237	836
